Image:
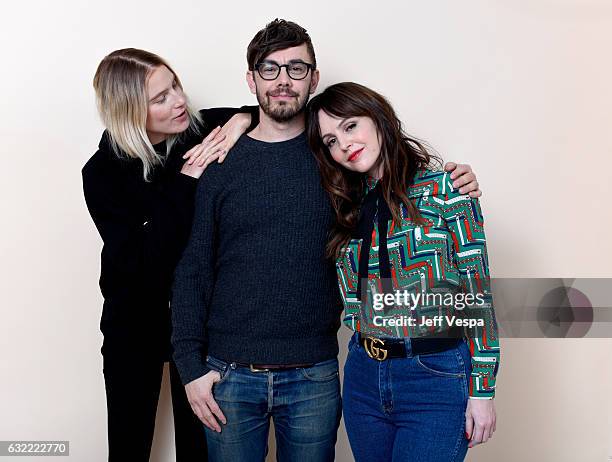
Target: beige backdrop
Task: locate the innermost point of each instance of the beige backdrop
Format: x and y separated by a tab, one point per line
518	89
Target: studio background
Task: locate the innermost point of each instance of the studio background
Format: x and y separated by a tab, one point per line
520	90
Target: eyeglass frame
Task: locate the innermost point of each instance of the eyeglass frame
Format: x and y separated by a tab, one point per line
309	66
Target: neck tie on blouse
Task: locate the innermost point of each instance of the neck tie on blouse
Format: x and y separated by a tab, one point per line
374	208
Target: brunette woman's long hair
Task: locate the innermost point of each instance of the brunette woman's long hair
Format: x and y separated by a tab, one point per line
400	155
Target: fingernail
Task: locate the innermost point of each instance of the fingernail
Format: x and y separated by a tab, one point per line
467	436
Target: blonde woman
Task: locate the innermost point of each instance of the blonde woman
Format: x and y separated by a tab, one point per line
139	188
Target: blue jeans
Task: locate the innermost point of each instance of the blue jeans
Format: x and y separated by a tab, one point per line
407	409
304	403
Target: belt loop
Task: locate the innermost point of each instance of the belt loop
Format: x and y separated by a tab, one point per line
408	345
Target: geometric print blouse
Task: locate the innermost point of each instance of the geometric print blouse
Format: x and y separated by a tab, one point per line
444	259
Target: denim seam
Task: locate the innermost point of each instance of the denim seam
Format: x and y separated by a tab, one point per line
465	396
219	366
270	391
440	373
319	379
461	435
457	446
459	359
353	345
390	387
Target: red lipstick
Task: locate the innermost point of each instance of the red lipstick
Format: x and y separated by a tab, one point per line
355	155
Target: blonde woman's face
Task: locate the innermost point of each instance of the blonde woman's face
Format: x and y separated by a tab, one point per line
167	111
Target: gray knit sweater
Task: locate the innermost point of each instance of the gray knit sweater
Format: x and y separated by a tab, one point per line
253	285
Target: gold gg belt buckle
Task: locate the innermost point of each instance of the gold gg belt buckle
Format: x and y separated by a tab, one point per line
373	347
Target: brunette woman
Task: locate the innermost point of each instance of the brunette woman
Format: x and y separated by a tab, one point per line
418	386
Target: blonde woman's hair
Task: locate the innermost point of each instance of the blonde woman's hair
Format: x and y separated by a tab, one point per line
121	96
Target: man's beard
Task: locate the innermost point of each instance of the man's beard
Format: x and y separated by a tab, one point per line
282	111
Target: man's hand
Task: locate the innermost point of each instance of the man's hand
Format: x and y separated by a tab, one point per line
480	421
199	394
464	178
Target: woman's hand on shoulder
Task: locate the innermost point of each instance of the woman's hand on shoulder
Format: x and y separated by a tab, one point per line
480	421
232	130
202	155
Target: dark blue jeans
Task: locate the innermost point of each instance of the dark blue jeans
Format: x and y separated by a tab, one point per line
408	409
304	403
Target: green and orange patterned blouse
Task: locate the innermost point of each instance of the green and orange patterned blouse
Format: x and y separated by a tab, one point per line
445	255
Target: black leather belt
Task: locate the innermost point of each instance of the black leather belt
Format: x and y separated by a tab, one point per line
382	349
273	367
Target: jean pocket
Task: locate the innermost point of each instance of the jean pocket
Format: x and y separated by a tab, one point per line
219	366
447	363
322	372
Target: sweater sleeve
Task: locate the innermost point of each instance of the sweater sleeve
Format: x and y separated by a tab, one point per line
133	244
193	286
219	116
464	219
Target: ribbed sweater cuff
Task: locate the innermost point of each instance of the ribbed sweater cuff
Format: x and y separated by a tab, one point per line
190	369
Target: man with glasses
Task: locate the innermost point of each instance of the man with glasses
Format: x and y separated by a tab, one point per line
253	287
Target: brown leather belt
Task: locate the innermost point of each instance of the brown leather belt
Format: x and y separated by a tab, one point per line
273	367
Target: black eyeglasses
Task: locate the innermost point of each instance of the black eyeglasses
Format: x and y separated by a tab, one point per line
297	70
